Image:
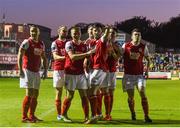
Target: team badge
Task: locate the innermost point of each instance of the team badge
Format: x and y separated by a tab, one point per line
140	49
83	49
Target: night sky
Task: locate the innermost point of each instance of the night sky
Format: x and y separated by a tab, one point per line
52	13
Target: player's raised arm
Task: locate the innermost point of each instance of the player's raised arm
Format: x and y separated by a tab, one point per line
115	50
105	36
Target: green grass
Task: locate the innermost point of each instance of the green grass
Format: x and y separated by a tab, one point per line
163	95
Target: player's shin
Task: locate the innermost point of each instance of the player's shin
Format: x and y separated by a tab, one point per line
85	106
25	106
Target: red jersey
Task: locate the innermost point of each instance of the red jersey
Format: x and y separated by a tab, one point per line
74	67
90	44
112	62
133	59
100	56
58	46
32	57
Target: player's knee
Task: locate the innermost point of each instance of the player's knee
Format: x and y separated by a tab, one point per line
105	90
58	89
130	98
29	92
142	94
143	97
70	96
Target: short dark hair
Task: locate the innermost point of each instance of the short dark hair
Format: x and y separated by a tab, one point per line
97	26
35	28
135	30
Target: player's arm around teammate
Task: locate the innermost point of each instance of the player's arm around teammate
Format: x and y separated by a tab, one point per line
74	72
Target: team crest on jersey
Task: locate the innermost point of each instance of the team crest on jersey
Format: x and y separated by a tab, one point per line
83	49
37	51
134	55
140	49
63	51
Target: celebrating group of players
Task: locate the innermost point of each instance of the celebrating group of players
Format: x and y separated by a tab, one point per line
87	66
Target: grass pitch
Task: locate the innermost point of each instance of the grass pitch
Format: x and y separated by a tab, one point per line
163	96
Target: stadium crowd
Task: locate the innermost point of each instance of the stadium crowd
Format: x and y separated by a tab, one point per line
160	62
165	62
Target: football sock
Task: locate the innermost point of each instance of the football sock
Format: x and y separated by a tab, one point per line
107	103
145	107
93	104
111	102
85	106
66	105
25	106
58	106
131	104
99	103
33	106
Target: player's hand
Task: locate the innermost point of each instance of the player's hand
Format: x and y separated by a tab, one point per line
85	63
107	26
92	51
44	74
21	74
146	75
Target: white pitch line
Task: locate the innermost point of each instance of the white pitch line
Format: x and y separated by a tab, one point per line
41	116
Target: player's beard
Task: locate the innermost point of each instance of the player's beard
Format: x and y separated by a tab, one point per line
63	37
34	37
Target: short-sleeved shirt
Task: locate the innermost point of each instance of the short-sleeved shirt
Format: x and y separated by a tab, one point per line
74	67
58	46
90	44
32	56
112	62
100	56
133	58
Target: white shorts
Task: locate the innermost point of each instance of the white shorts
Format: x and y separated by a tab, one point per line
88	77
58	78
111	80
98	78
129	81
30	80
73	82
